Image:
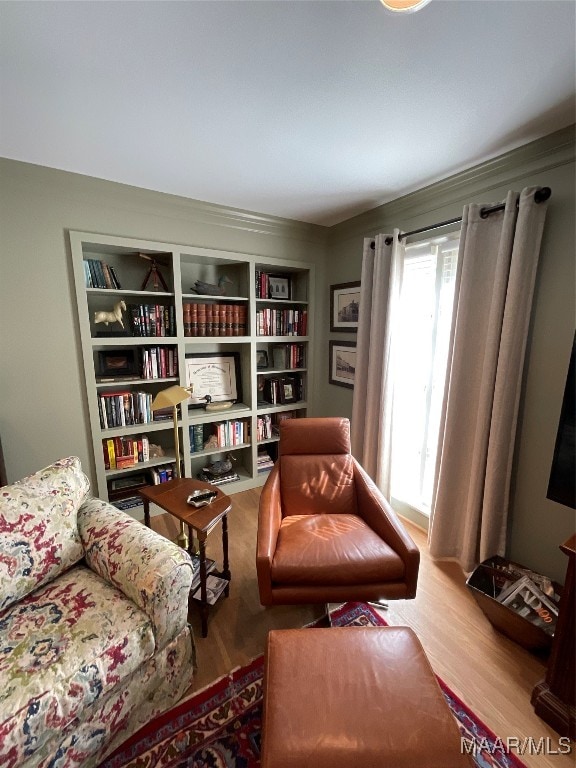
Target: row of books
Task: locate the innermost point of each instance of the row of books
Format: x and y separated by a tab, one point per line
152	320
161	474
224	434
151	363
265	284
281	322
215	319
98	274
286	356
265	462
123	409
264	427
122	452
159	362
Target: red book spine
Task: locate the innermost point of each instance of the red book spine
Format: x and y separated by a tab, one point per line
201	320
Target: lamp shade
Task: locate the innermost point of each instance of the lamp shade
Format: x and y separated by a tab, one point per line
404	6
170	397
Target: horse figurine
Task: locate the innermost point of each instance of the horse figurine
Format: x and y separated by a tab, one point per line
111	317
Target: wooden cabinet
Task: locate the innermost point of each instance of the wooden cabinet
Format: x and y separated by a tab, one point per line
554	698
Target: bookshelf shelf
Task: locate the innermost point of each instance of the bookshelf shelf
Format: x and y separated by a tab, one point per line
135	429
249	284
190	341
121	292
276	302
141	466
222	449
133	382
297	406
132	341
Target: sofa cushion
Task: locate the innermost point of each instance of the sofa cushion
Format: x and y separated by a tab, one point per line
63	648
38	531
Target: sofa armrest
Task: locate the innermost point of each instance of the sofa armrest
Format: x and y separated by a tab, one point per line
269	519
150	570
377	512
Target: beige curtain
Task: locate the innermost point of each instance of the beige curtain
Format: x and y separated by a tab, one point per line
495	278
371	427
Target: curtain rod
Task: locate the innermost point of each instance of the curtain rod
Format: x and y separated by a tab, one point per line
539	197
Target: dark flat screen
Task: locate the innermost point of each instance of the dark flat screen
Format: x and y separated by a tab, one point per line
562	483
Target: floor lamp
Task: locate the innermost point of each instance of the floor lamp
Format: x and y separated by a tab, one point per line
171	398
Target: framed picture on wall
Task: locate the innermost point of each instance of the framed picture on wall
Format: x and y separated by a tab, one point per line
342	363
344	306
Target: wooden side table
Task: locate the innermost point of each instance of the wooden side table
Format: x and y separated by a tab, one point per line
171	497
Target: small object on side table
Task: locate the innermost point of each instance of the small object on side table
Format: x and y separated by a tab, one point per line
173	498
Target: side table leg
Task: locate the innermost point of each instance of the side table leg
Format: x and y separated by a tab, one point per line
203	584
226	572
146	513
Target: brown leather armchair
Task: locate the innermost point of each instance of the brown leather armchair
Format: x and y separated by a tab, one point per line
325	531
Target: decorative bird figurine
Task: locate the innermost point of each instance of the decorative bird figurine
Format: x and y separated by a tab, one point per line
222	467
209	289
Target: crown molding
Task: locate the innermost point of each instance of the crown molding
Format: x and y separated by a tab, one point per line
94	191
551	151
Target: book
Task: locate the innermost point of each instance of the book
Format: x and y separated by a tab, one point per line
222	480
528	601
210	565
129	503
214	588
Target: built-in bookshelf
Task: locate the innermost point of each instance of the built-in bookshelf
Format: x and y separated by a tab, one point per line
152	315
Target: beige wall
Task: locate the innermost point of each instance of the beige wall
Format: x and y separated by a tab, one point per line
42	407
43	411
538	525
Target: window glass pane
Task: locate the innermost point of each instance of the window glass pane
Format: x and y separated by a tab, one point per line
422	339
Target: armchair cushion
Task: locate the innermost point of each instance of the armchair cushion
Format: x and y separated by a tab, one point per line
315	484
332	550
38	531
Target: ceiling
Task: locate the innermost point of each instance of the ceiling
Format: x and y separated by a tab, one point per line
309	110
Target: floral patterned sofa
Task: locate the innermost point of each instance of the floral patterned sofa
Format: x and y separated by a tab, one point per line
94	639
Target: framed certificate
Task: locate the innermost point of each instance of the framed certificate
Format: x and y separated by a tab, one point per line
215	375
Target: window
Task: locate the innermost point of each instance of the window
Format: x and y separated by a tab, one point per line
425	315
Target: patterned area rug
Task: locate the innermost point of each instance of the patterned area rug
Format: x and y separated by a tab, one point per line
219	727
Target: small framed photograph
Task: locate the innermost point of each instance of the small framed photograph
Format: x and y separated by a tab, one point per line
117	363
261	358
342	363
287	392
279	287
215	375
344	306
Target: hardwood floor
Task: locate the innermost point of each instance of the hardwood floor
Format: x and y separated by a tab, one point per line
490	673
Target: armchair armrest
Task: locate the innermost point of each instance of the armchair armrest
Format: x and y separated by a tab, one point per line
377	512
150	570
269	519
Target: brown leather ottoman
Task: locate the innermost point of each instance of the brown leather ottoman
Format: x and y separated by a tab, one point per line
354	696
